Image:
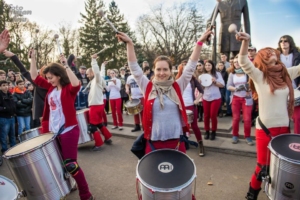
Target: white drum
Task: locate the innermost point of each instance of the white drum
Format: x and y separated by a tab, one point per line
206	80
83	123
36	165
190	116
8	189
165	174
283	182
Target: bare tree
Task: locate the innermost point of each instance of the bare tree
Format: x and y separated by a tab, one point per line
170	31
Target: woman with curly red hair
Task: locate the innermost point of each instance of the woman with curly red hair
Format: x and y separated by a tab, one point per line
271	81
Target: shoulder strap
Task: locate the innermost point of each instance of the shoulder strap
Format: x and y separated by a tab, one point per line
263	127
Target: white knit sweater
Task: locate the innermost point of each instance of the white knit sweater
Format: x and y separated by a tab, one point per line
272	106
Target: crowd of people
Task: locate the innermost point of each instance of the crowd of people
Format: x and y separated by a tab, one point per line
30	99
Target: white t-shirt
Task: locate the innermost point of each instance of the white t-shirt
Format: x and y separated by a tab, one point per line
136	92
188	96
114	89
288	62
56	118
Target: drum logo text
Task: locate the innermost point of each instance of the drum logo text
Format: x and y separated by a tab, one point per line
165	167
295	147
2	183
289	185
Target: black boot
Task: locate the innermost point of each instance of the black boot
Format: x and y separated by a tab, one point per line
201	148
136	128
213	135
252	194
206	135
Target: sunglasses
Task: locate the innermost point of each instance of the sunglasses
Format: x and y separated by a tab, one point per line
283	41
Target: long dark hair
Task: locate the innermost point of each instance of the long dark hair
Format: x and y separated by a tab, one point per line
290	41
58	70
70	60
213	68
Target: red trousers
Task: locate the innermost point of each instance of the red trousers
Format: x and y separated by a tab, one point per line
238	104
263	153
211	109
137	116
194	124
168	144
69	143
115	105
95	118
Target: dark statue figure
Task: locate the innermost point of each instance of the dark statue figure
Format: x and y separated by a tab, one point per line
231	12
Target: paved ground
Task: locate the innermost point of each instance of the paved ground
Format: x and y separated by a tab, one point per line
111	173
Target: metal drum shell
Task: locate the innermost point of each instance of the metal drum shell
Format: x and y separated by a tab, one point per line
181	192
30	134
190	116
283	170
134	106
39	171
83	122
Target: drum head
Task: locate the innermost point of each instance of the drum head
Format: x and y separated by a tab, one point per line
287	145
166	169
8	189
206	80
132	103
28	145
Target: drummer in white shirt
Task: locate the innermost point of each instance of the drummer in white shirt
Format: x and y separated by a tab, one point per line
134	92
96	105
211	99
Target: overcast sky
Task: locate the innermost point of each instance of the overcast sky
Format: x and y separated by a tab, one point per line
270	19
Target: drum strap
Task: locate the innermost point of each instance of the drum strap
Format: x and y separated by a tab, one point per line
266	130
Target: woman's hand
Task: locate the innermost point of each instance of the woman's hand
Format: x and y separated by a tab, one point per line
243	36
214	80
4	40
31	54
63	59
122	37
8	54
205	35
94	56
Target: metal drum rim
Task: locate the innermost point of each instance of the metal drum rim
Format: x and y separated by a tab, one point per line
166	190
138	102
30	150
275	153
31	130
11	181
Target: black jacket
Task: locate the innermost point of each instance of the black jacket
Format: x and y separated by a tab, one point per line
84	81
39	93
224	74
23	103
7	105
296	61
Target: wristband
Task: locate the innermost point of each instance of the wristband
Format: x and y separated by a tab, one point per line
200	43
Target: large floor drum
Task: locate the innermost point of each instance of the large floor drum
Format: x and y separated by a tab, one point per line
37	166
284	168
165	175
83	123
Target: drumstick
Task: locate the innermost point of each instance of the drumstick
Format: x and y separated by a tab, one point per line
233	29
102	50
57	42
213	21
102	14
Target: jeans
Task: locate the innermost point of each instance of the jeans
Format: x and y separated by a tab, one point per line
228	93
23	122
7	128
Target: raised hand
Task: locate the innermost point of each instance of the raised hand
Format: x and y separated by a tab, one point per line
243	36
94	56
122	37
63	59
205	35
8	54
4	40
